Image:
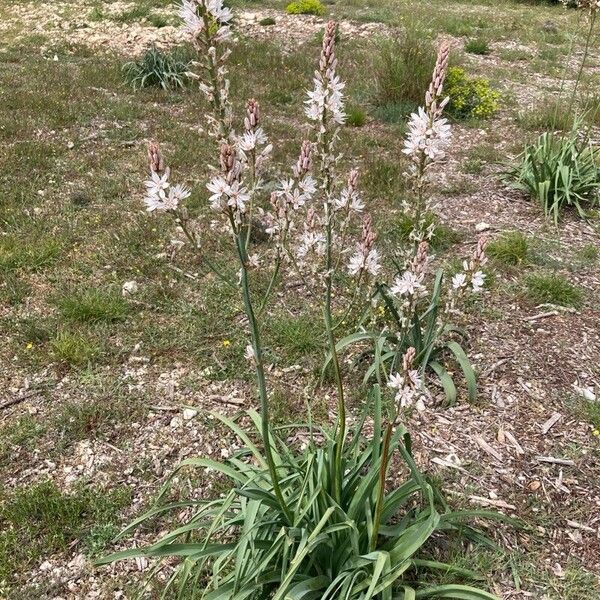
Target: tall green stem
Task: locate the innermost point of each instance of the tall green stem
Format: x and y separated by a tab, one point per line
383	467
586	51
260	376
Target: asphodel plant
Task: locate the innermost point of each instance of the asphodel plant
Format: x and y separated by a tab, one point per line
324	521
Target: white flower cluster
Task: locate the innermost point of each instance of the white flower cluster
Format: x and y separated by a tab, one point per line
200	14
326	98
409	284
161	196
326	101
427	137
472	275
226	195
407	383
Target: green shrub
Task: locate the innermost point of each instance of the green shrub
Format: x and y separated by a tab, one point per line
553	289
477	46
267	21
157	68
559	171
470	97
306	7
403	69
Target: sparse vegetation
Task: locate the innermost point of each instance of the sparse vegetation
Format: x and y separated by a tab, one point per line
98	387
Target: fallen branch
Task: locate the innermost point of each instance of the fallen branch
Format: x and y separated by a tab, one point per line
17	399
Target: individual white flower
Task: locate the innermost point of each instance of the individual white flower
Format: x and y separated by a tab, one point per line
414	378
308	185
157	184
477	281
356	263
221	13
459	281
251	139
311	241
238	196
188	13
408	284
253	261
396	381
218	186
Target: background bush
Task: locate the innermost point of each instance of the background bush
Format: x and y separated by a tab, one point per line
470	96
306	7
403	70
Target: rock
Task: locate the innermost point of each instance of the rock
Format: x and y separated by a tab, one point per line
481	227
129	288
189	413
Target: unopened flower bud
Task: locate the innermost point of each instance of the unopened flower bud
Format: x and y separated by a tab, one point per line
157	164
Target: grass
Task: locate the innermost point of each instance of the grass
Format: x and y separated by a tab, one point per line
355	116
74	348
403	68
40	520
510	249
443	237
478	46
553	289
93	305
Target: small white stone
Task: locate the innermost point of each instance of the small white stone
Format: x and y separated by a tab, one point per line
189	413
129	288
482	227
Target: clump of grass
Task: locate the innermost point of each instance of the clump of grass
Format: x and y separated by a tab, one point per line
96	14
155	68
158	21
472	166
38	521
403	69
355	116
93	305
553	289
298	338
588	253
512	249
13	290
477	46
89	419
22	433
74	349
306	7
267	21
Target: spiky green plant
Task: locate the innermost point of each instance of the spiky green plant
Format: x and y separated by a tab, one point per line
156	68
243	545
559	171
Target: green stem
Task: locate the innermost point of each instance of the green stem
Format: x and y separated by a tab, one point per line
583	60
260	377
383	467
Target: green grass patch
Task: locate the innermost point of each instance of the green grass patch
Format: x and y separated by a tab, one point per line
39	521
74	348
553	289
93	305
510	249
478	46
